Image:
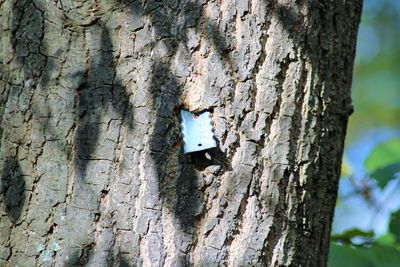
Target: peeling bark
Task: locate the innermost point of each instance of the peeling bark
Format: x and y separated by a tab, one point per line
92	165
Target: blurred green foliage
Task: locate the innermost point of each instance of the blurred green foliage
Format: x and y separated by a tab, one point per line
376	100
375	256
356	248
376	82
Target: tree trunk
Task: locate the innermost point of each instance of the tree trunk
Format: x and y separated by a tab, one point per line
92	165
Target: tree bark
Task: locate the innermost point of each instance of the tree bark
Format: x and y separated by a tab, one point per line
92	165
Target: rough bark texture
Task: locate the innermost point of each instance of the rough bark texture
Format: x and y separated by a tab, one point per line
92	167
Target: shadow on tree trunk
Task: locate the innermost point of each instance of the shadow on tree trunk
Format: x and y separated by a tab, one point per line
99	90
124	262
12	189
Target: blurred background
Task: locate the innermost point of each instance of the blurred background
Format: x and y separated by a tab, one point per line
366	227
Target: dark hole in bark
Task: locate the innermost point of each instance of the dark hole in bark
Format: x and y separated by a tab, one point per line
199	145
199	160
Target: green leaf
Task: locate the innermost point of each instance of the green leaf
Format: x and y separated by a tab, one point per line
345	255
375	256
394	225
384	256
384	161
385	174
387	239
351	233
